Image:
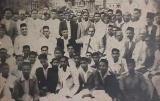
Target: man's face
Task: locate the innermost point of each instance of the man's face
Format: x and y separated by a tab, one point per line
70	49
24	30
58	54
119	35
142	36
19	60
85	16
44	50
46	32
118	16
26	51
84	64
15	17
126	18
26	69
22	15
96	58
2	32
63	62
8	14
89	56
5	71
32	58
149	21
65	34
131	67
91	31
110	13
76	59
110	30
34	14
44	62
136	15
55	63
130	34
115	55
157	19
79	15
103	66
97	17
53	15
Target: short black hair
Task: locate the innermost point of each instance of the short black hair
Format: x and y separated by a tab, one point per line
104	60
44	47
26	63
95	54
118	11
8	9
42	56
45	27
136	9
33	53
131	29
115	49
54	59
59	49
23	25
110	10
84	59
26	46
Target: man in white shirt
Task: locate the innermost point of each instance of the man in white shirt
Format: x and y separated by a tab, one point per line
23	39
46	40
139	53
5	41
90	42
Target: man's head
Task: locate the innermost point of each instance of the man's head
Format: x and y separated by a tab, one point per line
126	17
118	14
77	59
142	34
97	16
19	60
84	63
150	18
22	14
44	50
5	70
8	13
43	60
34	14
136	14
95	57
26	69
32	57
91	31
55	62
64	33
2	30
26	50
79	15
46	31
115	54
130	33
119	35
85	16
110	12
64	61
103	65
70	49
131	65
24	29
3	55
89	55
157	18
53	13
110	30
58	53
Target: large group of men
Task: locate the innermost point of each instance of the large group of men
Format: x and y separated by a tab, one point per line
66	55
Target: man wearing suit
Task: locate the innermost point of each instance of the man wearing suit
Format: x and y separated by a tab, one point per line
71	26
84	25
47	76
129	45
151	29
26	88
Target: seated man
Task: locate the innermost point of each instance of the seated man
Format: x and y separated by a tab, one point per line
26	88
47	76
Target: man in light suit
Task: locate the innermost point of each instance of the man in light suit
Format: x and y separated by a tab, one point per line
84	25
90	42
68	81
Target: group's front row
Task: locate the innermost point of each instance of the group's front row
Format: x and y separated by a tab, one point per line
61	81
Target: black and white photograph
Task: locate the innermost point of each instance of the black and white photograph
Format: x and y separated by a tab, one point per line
79	50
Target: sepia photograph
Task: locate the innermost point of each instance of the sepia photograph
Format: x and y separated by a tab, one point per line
79	50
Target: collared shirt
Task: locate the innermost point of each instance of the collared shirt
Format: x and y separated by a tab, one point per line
45	71
6	42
